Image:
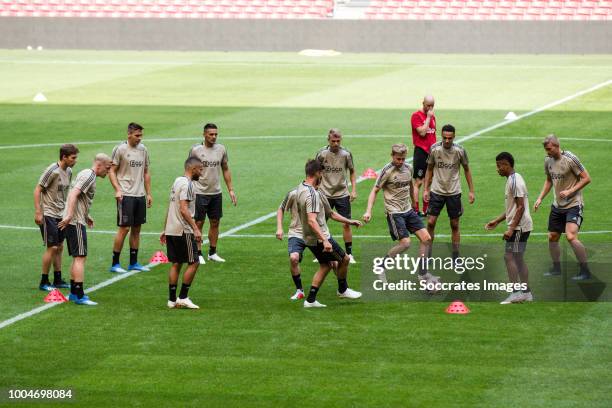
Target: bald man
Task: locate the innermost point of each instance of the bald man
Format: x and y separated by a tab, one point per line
423	124
567	176
76	217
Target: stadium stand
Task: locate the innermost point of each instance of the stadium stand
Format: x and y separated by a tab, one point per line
314	9
228	9
489	10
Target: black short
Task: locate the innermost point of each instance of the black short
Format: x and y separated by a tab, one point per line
517	242
342	205
183	249
131	211
402	224
76	237
208	205
419	163
559	217
336	254
296	245
454	208
51	234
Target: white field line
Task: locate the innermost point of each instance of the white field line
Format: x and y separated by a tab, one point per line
541	138
538	110
272	214
116	278
196	139
315	62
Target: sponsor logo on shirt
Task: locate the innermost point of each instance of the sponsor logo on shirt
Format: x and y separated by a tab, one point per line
332	169
136	163
400	183
557	176
443	165
207	163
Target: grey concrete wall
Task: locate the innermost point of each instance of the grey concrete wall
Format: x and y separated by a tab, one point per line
292	35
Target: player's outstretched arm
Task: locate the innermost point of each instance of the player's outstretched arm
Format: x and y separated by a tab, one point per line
353	175
162	237
279	224
186	214
427	182
470	182
38	210
147	184
520	210
414	195
545	189
314	225
367	216
70	205
227	176
489	226
337	217
112	176
585	179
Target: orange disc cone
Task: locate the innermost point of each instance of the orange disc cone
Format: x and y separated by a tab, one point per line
55	296
158	258
369	174
457	307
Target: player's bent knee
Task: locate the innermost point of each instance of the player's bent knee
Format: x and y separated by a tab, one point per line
405	243
294	258
214	223
571	236
553	236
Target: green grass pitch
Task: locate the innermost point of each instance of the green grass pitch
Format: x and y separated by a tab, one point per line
249	345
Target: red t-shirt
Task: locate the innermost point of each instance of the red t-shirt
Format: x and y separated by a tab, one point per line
424	142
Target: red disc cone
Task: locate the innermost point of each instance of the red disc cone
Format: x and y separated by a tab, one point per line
159	258
369	174
55	296
457	307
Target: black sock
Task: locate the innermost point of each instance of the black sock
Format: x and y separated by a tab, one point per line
199	252
584	269
557	266
349	248
527	290
115	258
455	254
342	285
298	281
44	278
57	276
212	250
133	256
78	289
172	293
184	290
515	291
312	295
72	290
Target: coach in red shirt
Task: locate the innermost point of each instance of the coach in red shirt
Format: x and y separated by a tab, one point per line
423	124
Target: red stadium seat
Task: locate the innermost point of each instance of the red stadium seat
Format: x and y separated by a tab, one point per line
377	9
